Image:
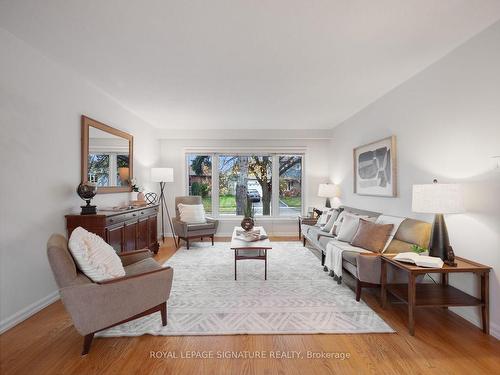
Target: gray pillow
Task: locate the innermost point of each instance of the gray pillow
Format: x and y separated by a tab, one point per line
329	224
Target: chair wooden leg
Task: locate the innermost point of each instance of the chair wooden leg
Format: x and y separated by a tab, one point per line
358	290
87	341
163	311
187	243
304	241
212	240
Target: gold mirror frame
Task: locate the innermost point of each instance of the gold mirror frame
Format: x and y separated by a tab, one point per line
86	123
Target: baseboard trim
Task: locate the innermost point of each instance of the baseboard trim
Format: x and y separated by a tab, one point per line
468	314
28	311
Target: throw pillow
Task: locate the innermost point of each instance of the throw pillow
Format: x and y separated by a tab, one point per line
386	219
337	224
192	213
331	221
323	219
94	257
372	236
349	227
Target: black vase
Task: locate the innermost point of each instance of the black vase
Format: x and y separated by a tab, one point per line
247	223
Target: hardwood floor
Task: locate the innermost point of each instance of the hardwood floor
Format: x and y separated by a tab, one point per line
443	344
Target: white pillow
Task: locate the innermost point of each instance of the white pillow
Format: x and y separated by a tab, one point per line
338	223
386	219
95	258
331	221
349	227
192	213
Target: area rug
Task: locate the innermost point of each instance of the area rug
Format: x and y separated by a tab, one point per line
297	298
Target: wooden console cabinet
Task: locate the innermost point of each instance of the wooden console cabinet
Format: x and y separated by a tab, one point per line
124	230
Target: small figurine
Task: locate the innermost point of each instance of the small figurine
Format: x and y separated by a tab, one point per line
317	212
450	257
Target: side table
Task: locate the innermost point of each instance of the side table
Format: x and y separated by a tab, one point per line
436	295
306	220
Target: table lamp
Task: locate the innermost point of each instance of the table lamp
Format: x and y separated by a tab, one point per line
328	191
438	199
164	175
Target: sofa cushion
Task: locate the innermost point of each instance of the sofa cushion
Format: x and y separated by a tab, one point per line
414	232
94	257
387	219
145	265
372	236
201	226
323	241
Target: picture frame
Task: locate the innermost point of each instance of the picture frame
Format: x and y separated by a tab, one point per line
375	168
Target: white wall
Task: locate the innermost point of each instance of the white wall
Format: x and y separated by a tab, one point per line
316	170
447	123
40	107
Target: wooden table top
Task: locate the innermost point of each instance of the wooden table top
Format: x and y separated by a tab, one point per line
237	244
463	265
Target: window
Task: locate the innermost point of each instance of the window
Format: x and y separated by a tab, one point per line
228	182
200	178
244	178
290	171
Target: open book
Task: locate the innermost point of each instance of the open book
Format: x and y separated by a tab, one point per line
251	235
420	260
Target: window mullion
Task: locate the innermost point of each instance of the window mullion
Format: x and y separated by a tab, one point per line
275	187
215	185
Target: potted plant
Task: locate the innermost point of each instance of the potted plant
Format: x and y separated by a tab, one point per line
248	223
138	189
419	250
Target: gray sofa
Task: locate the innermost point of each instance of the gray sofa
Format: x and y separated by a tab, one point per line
365	268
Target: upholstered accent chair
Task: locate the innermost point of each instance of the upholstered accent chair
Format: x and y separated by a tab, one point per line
187	231
96	306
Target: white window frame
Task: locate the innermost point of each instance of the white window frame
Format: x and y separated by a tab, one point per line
274	152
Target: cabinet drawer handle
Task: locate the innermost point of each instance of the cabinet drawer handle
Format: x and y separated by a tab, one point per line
111	220
134	215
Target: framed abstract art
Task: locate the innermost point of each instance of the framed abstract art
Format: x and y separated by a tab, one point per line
375	170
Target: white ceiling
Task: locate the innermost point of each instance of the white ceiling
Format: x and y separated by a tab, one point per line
234	64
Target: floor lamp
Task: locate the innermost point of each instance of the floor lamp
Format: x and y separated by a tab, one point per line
164	175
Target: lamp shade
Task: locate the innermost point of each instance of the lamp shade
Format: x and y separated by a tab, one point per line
437	199
328	190
162	174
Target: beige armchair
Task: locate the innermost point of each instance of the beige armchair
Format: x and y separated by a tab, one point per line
96	306
187	231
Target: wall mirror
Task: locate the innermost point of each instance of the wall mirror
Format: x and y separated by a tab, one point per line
107	156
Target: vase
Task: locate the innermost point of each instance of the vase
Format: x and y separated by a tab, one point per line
140	196
247	223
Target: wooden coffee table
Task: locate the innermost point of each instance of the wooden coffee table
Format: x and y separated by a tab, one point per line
417	295
244	250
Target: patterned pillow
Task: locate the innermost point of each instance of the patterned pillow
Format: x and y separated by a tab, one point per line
94	257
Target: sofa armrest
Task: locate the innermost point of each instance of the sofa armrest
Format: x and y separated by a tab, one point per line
368	265
212	220
130	257
180	227
94	307
326	234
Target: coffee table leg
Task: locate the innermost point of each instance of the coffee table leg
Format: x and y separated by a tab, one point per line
265	264
235	254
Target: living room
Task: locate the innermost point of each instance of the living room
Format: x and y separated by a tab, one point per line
254	116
